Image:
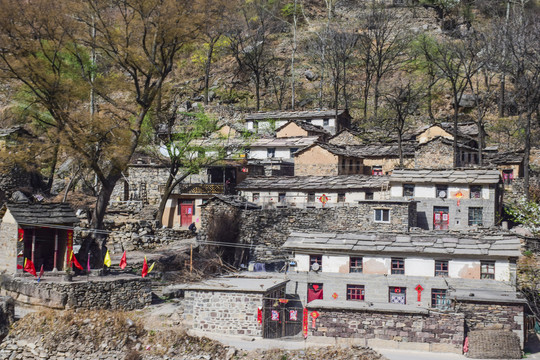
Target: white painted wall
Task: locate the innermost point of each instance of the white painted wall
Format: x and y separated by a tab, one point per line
415	266
502	270
485	192
456	266
301	198
333	263
302	262
262	153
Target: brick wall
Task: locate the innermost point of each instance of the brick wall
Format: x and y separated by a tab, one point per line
436	328
231	313
271	227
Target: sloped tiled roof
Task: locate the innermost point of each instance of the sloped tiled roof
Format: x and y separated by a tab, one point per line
233	201
382	150
341	182
306	126
466	176
285	142
514	157
42	214
334	149
447	244
285	115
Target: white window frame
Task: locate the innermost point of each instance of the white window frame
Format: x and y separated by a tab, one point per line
382	215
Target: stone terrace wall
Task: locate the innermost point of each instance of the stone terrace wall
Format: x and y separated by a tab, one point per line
231	313
271	227
482	316
445	330
121	294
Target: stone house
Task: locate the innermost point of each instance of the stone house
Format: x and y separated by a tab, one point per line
437	153
346	137
276	155
373	281
313	191
231	305
267	122
301	129
379	159
451	199
39	232
510	164
321	159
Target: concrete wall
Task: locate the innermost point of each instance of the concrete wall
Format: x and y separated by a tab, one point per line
228	313
414	266
9	243
459	215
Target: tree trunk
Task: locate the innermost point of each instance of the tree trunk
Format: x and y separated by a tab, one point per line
166	194
293	89
376	97
400	149
207	66
526	175
257	91
455	134
430	100
53	169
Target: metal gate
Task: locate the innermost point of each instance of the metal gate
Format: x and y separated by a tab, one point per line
282	317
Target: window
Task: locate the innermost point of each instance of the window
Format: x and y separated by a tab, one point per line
408	190
382	215
441	191
377	171
487	270
369	195
438	298
315	291
255	197
281	197
441	267
475	192
355	265
293	150
311	197
398	266
343	163
326	122
341	197
358	166
351	166
271	152
397	295
256	125
475	216
355	292
441	219
315	259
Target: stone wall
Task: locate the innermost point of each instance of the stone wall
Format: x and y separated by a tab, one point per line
271	227
140	176
231	313
434	155
446	330
121	294
492	316
7	315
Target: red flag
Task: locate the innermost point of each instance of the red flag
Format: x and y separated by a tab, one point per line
123	261
29	267
76	262
144	268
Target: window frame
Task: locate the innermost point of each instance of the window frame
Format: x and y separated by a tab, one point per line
270	153
356	264
434	294
368	195
397	266
472	216
255	197
292	151
356	292
282	197
311	197
489	272
442	272
326	122
341	197
382	212
439	188
475	189
402	290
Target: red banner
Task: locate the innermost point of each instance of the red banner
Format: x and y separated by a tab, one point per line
69	247
305	323
21	234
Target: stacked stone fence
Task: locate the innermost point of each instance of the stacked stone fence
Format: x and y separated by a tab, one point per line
121	294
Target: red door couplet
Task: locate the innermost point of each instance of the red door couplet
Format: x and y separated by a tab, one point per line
186	213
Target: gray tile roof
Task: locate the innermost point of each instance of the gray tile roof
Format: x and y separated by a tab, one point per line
513	157
448	244
233	201
235	284
42	214
297	115
341	182
382	150
306	126
285	142
334	149
466	176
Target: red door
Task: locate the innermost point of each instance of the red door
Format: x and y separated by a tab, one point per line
440	218
186	213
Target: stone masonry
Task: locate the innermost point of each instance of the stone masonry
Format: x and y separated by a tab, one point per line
271	227
121	294
434	328
231	313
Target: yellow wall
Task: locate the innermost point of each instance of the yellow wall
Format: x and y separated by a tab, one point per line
388	164
316	161
291	130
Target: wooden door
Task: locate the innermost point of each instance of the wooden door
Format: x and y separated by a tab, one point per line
186	213
441	219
